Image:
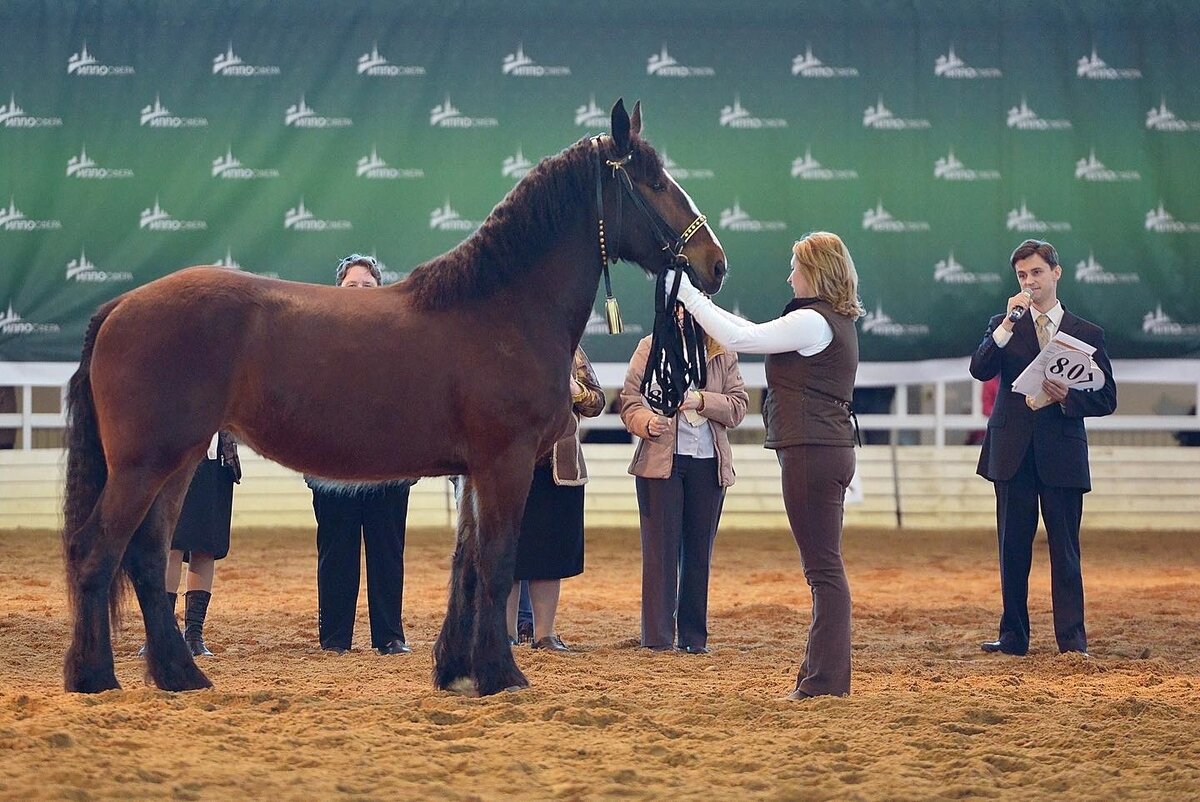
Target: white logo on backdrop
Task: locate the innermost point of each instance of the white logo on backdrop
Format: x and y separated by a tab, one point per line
516	166
301	219
302	115
949	271
84	271
159	116
157	218
591	114
881	117
1094	67
880	219
736	116
809	66
84	63
1021	219
228	262
13	219
374	65
1090	271
737	219
82	166
228	166
1160	324
229	65
806	168
1024	118
949	168
1164	222
951	66
12	323
880	323
445	218
13	116
387	275
662	65
684	173
522	66
373	166
445	115
1092	169
1163	119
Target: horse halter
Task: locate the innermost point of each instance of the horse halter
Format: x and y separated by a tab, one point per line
671	243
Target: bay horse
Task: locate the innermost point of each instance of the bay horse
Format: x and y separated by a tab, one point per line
461	368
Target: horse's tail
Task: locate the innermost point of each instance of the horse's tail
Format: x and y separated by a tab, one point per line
87	471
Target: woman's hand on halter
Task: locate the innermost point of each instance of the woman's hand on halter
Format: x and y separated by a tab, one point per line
687	291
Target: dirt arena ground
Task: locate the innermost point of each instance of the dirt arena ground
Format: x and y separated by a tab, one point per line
930	716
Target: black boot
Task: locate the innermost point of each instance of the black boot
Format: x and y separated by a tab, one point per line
194	613
173	597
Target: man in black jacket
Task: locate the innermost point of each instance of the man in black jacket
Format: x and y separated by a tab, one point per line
1035	450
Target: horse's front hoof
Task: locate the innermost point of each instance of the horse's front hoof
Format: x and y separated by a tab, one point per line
462	686
509	682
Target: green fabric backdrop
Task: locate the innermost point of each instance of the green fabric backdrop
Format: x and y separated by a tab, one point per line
934	136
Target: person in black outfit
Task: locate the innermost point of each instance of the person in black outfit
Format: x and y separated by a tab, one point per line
350	514
201	536
1035	450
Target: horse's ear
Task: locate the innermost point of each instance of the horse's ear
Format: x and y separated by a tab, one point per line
620	126
635	120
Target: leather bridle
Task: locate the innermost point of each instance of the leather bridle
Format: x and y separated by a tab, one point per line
670	241
677	358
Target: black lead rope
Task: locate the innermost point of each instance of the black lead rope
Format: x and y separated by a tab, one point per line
677	358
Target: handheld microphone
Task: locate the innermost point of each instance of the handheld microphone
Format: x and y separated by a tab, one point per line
1017	313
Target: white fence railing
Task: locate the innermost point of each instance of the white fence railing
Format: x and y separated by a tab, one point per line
941	411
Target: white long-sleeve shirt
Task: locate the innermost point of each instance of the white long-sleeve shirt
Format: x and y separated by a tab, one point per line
802	330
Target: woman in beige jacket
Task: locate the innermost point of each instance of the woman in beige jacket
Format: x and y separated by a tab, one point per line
683	465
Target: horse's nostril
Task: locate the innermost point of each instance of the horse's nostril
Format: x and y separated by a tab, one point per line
719	269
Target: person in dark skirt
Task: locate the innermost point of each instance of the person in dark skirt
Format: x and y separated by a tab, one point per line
349	515
202	535
550	547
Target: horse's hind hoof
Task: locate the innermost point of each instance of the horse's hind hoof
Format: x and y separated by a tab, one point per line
92	683
177	678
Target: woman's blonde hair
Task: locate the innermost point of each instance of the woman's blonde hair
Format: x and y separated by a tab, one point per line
825	263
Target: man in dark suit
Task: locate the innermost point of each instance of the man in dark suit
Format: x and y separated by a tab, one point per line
1035	449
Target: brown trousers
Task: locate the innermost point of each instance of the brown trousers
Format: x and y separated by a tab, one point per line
814	486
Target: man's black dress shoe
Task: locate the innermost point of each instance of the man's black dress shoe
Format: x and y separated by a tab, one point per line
551	643
693	650
992	646
395	647
334	649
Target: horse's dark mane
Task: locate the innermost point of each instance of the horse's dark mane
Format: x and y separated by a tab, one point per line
520	228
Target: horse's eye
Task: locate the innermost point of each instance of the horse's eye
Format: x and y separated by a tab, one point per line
658	186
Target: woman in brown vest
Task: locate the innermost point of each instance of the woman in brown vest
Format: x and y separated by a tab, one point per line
812	356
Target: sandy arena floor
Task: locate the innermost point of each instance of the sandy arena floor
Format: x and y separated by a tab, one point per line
930	716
